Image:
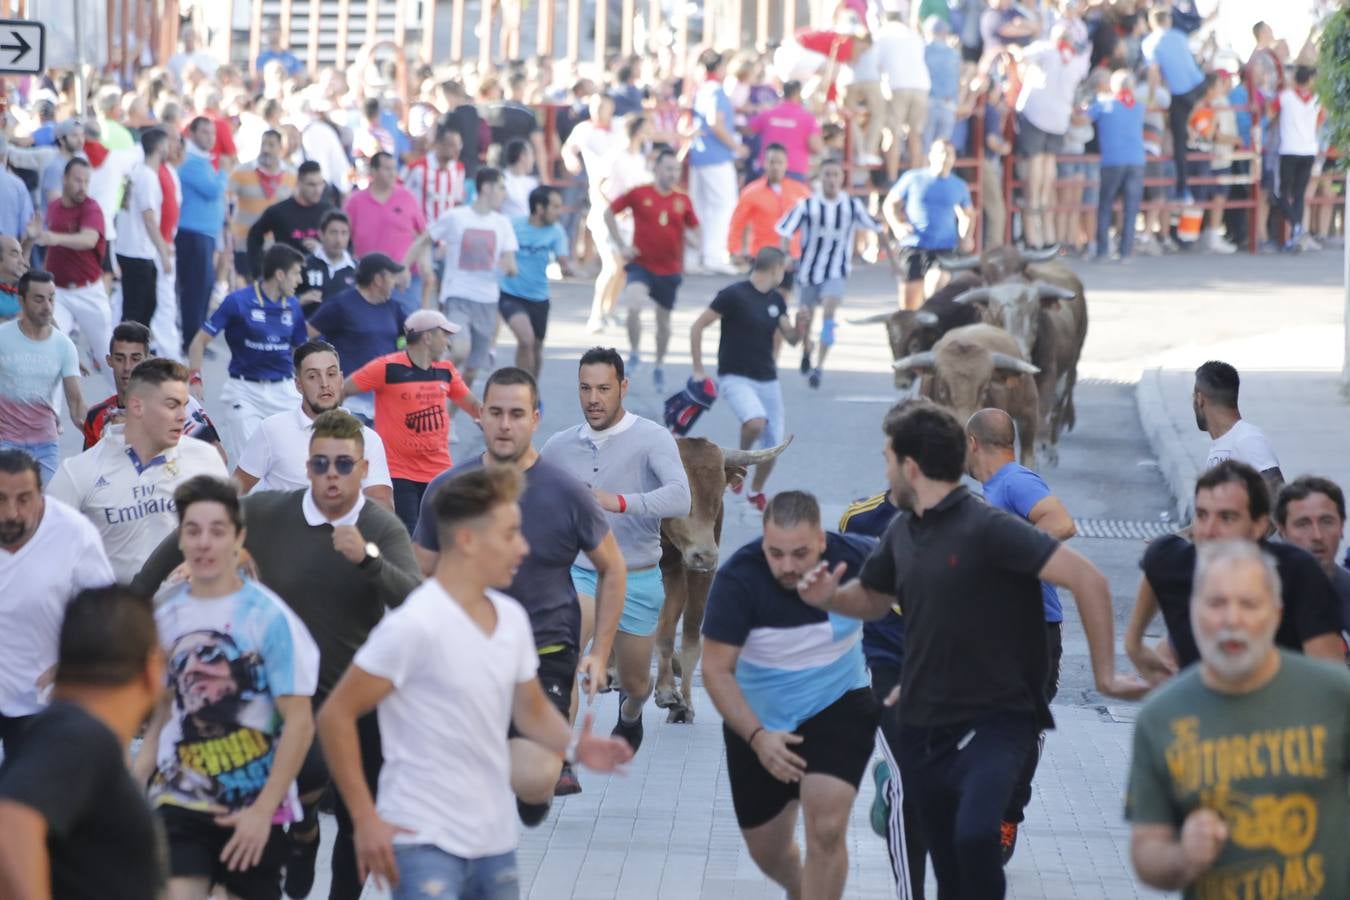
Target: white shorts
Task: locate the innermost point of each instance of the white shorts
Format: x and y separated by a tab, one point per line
245	404
751	399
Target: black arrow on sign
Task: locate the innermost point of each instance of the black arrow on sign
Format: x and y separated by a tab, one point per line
21	48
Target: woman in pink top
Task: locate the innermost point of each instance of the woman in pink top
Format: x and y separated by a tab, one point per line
791	125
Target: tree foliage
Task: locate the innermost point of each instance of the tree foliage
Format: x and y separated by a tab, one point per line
1333	78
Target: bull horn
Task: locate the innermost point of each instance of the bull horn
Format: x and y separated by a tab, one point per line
871	320
1047	291
974	295
924	360
1044	254
753	457
958	263
926	318
1004	361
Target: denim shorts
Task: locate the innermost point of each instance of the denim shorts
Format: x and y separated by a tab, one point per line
642	600
427	871
812	295
47	454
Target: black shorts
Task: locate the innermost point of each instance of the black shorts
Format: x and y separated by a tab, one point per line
241	266
837	741
916	262
662	288
195	842
789	278
1032	141
535	310
558	677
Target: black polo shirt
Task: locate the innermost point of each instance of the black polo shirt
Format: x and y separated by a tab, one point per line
1311	607
965	575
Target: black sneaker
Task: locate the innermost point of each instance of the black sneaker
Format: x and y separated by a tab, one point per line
568	783
806	361
300	867
814	378
629	731
532	814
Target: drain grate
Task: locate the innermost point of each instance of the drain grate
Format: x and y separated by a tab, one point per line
1122	529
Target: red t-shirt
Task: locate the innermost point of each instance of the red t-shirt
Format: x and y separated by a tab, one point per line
659	222
168	212
73	268
410	414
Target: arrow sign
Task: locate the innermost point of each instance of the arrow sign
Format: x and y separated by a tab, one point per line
23	47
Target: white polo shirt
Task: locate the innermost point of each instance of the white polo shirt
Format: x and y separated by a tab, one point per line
130	503
278	451
63	557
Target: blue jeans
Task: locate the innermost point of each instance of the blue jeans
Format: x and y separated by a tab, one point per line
1128	182
428	871
196	273
47	454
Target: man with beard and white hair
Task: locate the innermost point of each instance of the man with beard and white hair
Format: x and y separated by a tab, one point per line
1239	769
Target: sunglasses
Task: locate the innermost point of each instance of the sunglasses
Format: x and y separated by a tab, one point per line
344	464
205	653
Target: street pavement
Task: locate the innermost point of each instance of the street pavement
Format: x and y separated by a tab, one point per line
666	829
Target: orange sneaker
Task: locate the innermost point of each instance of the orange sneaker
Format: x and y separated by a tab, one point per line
1007	839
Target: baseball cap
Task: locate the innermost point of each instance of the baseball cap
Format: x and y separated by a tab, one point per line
427	320
67	128
373	264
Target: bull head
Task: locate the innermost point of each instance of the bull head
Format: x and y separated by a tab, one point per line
997	263
1015	306
904	329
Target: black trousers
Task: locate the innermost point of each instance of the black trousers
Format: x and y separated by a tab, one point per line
904	837
196	273
11	727
1054	645
138	288
314	777
1295	172
962	777
1178	120
408	501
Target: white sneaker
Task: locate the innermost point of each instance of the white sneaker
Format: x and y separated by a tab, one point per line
1215	243
869	159
1309	243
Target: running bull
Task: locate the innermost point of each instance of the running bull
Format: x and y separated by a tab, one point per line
913	331
689	561
978	366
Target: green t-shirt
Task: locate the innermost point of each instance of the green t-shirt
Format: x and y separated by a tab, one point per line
1272	763
937	8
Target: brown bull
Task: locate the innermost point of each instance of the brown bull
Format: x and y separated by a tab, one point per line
689	561
978	366
913	331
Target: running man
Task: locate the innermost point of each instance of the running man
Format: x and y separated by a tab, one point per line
799	729
762	205
929	212
330	269
633	467
524	300
586	151
226	742
663	218
561	521
450	672
262	324
753	315
828	221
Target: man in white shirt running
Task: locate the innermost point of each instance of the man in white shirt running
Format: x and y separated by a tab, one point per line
48	554
1216	412
448	672
275	457
124	484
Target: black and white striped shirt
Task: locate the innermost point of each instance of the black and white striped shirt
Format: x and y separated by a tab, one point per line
828	228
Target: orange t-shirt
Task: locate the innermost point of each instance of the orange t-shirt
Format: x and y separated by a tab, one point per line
410	414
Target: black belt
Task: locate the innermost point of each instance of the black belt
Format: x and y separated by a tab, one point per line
259	380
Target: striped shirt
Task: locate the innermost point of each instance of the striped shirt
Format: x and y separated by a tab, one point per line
828	228
251	197
439	188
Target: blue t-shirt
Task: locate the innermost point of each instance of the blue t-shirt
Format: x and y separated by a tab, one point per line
710	102
1120	131
944	70
930	201
1169	51
1238	99
261	333
538	245
795	660
883	639
1016	489
359	330
289	61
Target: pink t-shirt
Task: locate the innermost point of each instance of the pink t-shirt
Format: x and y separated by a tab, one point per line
791	125
389	227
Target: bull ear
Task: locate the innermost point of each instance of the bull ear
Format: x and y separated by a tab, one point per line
958	263
926	318
735	475
1050	294
1005	363
974	295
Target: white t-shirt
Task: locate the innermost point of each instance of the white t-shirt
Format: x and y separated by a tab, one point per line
279	449
131	504
1298	124
1049	85
594	143
518	187
133	240
447	769
105	184
63	557
474	244
899	50
1245	443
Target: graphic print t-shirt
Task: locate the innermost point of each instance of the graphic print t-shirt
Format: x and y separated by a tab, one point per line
410	414
1272	763
474	242
229	659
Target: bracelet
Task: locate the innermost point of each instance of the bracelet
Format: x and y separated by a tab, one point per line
751	740
623	504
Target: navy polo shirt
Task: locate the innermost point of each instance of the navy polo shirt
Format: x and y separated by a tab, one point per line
358	329
261	333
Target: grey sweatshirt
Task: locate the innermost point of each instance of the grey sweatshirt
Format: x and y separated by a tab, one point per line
637	458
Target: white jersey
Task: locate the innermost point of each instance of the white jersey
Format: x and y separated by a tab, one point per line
129	501
279	449
63	557
1245	443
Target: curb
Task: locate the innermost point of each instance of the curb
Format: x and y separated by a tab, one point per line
1178	468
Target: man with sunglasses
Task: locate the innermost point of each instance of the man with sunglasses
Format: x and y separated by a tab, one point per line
338	561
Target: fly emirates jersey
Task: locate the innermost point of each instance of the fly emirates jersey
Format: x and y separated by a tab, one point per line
129	500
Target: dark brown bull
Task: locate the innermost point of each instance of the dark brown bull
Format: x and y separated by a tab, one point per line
689	561
913	331
978	366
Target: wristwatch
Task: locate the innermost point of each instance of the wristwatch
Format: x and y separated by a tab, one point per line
372	554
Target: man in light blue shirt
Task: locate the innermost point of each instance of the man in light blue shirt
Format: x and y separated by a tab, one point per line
1120	137
524	300
712	164
201	219
1166	49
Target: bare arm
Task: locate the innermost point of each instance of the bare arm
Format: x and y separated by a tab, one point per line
1274	479
75	399
1069	569
893	211
469	403
426	559
152	228
247	480
1168	860
792	332
1150	664
719	677
84	239
611	587
1050	516
25	866
705	318
612	225
1327	646
821	588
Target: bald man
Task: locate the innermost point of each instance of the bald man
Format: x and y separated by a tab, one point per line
991	459
13	264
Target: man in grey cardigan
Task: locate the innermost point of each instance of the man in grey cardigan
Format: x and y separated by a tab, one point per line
338	561
633	466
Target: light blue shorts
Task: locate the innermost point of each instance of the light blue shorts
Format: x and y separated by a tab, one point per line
642	600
